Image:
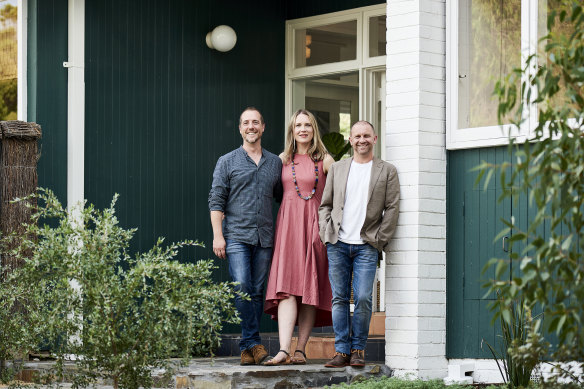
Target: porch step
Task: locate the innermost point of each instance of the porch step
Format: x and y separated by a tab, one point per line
320	347
226	373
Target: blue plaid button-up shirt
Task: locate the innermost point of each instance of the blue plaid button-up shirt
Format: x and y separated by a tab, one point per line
243	191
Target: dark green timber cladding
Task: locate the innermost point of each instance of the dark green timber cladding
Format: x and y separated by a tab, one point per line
161	108
47	89
473	221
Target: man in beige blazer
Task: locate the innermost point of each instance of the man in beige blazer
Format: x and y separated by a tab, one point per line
357	218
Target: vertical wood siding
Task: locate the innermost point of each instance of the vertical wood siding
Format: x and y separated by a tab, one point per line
47	89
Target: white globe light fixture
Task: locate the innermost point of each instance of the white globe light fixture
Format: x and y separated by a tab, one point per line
222	38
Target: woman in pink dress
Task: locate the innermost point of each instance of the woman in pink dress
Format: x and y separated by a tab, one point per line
298	290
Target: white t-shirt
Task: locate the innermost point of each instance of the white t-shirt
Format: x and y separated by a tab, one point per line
355	207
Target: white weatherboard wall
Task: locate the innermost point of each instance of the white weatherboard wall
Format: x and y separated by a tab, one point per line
415	138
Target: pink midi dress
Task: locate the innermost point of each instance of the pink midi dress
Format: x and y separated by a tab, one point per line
300	264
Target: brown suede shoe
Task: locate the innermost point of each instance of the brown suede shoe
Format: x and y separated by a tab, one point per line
247	358
259	353
357	358
339	360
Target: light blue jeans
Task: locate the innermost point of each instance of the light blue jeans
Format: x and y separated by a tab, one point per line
360	260
249	265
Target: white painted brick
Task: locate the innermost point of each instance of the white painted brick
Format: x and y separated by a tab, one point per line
433	59
434	232
431	32
404	336
402	349
399	125
430	85
395	34
429	297
432	374
431	323
432	257
404	310
432	310
432	72
433	118
407	218
401	298
403	59
406	139
432	191
401	8
406	244
408	45
432	46
403	284
433	363
432	166
434	7
404	152
426	244
401	366
432	139
406	72
410	231
432	350
430	19
430	336
427	205
433	285
404	99
431	271
401	86
405	113
432	152
400	258
405	323
410	19
408	271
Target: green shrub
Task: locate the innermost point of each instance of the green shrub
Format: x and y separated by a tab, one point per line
120	315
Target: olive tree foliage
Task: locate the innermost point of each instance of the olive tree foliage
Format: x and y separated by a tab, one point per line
549	170
120	315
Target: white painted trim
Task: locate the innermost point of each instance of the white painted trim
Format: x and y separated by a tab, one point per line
359	64
76	104
22	42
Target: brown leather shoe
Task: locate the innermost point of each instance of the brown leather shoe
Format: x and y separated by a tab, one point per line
339	360
259	353
357	358
247	358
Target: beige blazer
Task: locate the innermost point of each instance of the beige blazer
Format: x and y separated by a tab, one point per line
382	207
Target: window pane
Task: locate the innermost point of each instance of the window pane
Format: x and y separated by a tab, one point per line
326	44
489	48
8	58
333	99
377	37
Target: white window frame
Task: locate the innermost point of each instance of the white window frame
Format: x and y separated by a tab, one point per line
361	64
22	40
492	135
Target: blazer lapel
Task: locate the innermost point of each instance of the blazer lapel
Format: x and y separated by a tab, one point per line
344	168
375	172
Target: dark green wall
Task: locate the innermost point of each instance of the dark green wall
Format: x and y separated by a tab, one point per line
47	89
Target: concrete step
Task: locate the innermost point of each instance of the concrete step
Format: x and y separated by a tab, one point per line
227	373
320	346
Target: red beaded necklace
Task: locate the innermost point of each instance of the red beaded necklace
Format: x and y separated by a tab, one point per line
315	180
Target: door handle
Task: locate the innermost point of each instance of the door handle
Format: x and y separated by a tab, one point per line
505	244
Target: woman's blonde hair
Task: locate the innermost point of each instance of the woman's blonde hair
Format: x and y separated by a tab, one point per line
316	150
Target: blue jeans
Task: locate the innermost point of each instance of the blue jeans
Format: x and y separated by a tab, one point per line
360	260
249	265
